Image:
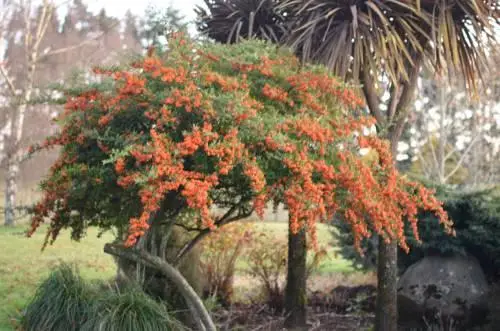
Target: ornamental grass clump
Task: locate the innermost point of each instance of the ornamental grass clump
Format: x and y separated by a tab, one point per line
66	302
61	303
130	310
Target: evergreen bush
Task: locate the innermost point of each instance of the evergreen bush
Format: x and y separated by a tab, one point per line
476	217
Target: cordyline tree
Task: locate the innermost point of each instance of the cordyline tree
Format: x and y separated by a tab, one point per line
236	127
381	44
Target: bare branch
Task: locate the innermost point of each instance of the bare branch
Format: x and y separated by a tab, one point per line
42	25
8	80
434	154
27	26
425	165
189	294
203	233
450	153
462	158
188	228
73	47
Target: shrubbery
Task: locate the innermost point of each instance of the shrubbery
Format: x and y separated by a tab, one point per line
264	256
201	125
476	216
165	139
221	249
65	302
267	261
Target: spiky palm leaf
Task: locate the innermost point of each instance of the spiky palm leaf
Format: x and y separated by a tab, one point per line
465	29
231	20
348	35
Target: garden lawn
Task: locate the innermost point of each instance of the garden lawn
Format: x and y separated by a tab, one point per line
23	265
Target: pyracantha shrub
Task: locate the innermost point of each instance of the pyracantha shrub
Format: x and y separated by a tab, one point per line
232	126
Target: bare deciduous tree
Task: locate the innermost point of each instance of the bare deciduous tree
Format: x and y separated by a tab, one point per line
22	22
453	137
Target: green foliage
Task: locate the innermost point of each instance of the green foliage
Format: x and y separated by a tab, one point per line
476	216
111	123
158	23
61	303
64	301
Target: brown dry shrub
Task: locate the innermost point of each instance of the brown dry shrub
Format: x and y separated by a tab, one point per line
268	260
221	249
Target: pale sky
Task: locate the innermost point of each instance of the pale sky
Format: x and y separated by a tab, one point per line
118	8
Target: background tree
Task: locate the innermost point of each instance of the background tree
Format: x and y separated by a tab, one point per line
232	21
157	24
161	142
452	139
368	41
20	96
39	51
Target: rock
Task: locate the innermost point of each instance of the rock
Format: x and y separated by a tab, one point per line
449	289
493	320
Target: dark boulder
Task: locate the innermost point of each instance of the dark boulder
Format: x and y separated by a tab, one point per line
444	291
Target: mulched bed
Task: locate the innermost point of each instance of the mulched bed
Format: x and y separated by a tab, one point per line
343	309
259	318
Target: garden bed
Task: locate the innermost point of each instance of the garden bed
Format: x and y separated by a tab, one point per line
254	317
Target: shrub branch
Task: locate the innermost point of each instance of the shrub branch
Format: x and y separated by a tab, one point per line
189	294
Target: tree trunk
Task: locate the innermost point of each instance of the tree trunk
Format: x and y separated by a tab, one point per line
171	273
386	315
295	293
11	190
164	242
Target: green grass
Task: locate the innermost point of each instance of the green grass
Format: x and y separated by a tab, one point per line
23	266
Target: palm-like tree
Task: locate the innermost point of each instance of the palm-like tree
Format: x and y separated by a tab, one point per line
230	21
362	40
